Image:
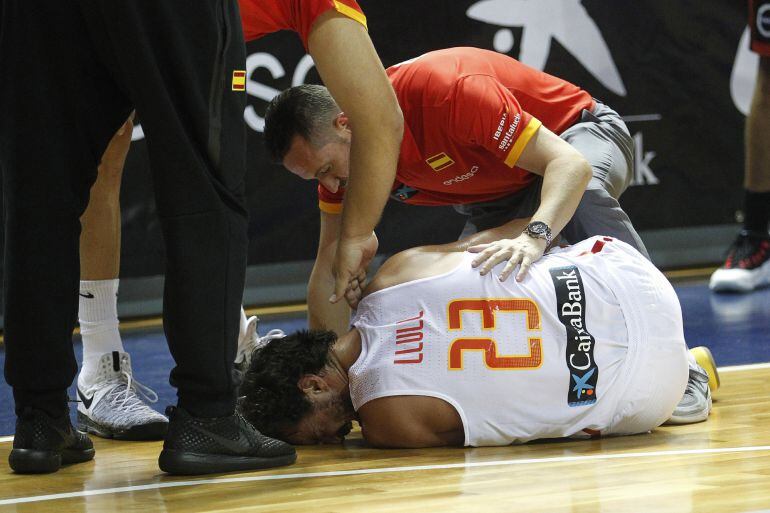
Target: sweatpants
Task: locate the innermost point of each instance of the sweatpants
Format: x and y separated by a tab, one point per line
70	74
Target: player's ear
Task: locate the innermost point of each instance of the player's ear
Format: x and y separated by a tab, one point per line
341	120
311	384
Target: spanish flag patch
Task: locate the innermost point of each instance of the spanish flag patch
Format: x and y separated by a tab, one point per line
440	162
239	80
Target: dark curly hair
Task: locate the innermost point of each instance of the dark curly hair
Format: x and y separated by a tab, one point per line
269	396
306	110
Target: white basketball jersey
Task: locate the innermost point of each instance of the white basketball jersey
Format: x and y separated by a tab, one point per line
543	358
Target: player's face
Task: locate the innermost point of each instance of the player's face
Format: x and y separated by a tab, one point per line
328	164
328	423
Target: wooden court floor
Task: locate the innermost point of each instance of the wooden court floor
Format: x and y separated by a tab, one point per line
721	465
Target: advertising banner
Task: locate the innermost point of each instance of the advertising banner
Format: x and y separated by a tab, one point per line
680	73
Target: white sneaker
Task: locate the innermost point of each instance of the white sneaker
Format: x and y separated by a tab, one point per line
249	341
706	360
747	266
695	405
111	407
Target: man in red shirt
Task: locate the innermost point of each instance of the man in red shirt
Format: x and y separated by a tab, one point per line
483	132
329	29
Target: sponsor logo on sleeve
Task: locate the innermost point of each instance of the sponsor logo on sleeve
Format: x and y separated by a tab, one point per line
571	308
500	127
508	138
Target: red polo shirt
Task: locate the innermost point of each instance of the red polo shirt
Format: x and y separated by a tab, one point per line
261	17
468	115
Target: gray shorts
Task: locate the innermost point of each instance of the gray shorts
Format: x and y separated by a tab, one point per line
603	139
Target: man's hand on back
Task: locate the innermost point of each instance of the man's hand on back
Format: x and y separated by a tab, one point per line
350	262
521	251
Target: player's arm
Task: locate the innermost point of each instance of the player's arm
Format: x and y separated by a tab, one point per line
566	174
352	71
321	313
411	422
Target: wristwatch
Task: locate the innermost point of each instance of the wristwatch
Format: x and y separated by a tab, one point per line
539	230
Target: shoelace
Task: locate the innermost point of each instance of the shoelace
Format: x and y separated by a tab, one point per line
246	344
254	341
264	340
129	398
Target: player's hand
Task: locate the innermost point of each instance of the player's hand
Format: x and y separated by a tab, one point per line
350	262
521	251
356	290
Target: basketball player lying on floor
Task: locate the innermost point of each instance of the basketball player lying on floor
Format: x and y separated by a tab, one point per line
591	342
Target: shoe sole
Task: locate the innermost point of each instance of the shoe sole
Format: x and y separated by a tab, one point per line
144	432
190	464
706	360
33	461
740	280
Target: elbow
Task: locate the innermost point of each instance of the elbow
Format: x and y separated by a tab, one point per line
583	171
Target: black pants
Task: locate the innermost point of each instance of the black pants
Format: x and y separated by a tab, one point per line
70	73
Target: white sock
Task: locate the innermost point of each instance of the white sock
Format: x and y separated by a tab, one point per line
98	316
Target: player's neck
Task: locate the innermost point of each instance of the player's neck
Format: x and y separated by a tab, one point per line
346	351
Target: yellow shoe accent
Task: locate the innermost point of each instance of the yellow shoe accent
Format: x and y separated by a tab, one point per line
705	359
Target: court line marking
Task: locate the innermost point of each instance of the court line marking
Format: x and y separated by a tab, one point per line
386	470
687	274
751	366
733	368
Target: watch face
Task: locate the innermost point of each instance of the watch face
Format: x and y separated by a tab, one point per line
538	227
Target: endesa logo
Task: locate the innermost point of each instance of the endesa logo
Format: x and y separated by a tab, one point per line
461	178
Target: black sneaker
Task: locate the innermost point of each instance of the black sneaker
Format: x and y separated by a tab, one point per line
196	445
42	443
747	266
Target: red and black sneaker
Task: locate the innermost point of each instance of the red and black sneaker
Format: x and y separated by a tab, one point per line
747	266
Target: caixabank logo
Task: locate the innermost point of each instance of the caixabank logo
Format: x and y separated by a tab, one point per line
579	346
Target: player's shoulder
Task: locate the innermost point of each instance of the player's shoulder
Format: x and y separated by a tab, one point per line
413	264
411	421
430	78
